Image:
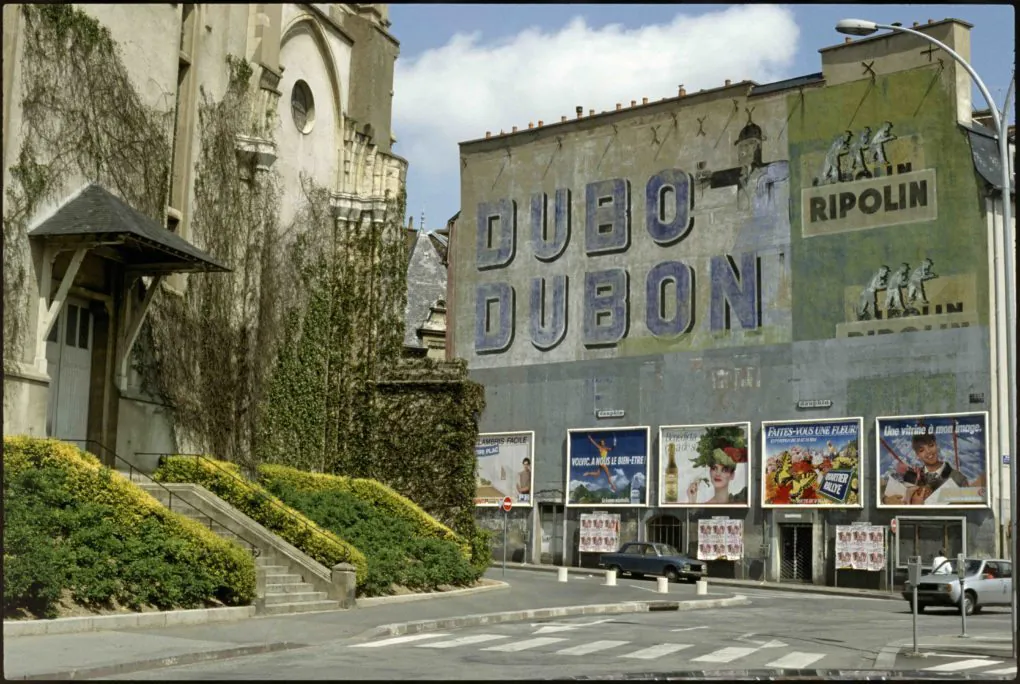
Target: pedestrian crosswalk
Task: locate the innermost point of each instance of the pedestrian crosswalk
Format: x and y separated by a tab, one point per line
977	665
573	647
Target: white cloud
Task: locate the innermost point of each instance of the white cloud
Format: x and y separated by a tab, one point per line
459	91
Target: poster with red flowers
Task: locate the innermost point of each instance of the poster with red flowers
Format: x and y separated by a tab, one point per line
704	466
812	464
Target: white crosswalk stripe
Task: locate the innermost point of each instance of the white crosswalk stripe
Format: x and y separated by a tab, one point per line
592	647
401	640
725	655
962	665
1003	671
656	651
796	660
464	641
525	645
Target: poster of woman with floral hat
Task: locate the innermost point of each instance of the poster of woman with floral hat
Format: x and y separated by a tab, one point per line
709	464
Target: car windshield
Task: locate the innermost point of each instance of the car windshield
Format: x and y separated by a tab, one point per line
666	550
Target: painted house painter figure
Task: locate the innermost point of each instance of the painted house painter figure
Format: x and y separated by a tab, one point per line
857	150
603	461
830	170
893	296
876	149
915	284
869	295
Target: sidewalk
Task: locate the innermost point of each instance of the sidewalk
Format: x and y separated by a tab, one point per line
732	584
114	652
982	643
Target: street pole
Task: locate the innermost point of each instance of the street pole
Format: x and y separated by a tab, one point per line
961	571
506	515
1007	355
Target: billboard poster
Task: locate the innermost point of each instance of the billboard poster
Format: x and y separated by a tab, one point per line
600	532
860	547
720	539
933	460
504	468
607	467
702	466
812	463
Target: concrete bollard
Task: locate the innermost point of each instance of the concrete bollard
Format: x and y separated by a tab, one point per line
561	574
663	585
610	578
702	587
344	584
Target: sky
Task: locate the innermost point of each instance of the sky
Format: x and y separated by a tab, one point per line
467	69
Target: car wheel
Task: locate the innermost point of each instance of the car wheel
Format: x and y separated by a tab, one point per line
969	602
671	574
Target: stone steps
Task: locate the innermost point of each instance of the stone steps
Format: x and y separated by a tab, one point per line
285	591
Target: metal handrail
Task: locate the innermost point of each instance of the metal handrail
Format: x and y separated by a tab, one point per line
255	551
290	513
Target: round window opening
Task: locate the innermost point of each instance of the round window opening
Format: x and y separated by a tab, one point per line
302	107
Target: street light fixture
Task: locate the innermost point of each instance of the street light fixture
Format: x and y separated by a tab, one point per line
861	27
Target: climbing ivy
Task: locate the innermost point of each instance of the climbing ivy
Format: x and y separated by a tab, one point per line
82	120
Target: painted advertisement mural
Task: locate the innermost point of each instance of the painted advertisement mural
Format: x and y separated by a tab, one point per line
704	465
607	467
933	460
812	463
539	288
504	468
888	246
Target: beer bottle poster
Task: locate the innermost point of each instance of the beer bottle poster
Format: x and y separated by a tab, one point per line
704	466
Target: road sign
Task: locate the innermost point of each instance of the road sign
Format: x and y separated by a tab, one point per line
508	503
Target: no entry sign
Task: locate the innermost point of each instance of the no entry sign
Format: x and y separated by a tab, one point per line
508	503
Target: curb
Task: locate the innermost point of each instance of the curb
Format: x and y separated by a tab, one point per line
975	645
409	598
401	628
156	663
97	623
723	581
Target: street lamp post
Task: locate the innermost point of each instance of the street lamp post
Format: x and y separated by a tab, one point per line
860	27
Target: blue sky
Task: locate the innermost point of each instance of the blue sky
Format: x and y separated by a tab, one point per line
467	69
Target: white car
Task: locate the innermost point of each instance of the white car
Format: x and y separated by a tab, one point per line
987	582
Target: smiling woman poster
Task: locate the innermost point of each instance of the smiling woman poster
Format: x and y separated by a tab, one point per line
704	465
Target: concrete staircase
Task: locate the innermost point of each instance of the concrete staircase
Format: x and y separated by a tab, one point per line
282	585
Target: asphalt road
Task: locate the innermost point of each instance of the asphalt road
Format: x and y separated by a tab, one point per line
778	630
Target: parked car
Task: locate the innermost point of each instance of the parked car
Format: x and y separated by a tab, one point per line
642	558
987	582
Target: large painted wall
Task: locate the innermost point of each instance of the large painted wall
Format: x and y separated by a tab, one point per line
754	281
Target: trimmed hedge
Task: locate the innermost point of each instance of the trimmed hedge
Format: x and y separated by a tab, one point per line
372	492
74	525
225	481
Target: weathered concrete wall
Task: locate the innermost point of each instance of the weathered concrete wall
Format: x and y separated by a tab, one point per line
580	283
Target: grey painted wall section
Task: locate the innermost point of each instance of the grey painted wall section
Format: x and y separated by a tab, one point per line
911	373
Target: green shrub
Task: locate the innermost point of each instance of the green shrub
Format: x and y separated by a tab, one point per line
382	497
481	550
74	525
397	555
225	481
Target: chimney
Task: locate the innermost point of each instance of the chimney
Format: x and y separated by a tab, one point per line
514	129
644	100
848	39
930	21
619	106
591	112
539	123
501	132
683	92
916	24
562	119
727	82
410	223
580	111
531	124
633	103
488	134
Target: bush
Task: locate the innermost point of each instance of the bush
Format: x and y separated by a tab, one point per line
397	555
225	481
481	550
382	497
74	525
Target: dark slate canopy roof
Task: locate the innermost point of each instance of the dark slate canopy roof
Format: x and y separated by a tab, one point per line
97	217
984	147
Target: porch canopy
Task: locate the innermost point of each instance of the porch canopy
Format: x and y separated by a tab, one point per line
98	220
95	220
